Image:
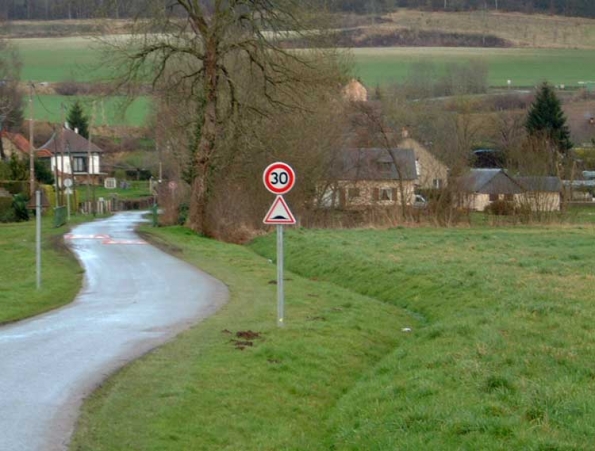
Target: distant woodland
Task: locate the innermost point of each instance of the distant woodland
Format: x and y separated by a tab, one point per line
83	9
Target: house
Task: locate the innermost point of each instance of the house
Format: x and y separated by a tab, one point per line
541	193
355	91
479	188
432	173
14	144
362	178
73	156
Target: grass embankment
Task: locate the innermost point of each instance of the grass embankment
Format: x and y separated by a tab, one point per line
61	273
200	392
135	190
500	356
504	358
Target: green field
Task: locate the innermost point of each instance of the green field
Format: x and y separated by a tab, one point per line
524	67
499	356
61	274
61	59
109	111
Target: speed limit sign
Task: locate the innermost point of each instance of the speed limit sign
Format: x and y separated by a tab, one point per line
278	178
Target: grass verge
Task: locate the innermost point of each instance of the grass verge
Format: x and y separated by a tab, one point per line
61	273
503	357
202	392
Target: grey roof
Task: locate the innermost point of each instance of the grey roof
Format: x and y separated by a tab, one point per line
547	184
67	140
489	181
375	164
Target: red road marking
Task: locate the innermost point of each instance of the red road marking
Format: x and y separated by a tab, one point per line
70	236
116	241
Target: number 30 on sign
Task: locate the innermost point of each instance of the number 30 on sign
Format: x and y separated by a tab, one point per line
278	178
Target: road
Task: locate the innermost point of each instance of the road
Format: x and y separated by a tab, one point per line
135	297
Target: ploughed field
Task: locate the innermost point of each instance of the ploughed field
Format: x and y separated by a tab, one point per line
474	338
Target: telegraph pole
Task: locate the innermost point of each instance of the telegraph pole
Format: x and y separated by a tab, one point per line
31	151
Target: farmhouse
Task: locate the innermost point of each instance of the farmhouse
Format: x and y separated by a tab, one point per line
479	188
363	178
73	156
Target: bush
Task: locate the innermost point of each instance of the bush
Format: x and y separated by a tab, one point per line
6	210
19	205
501	208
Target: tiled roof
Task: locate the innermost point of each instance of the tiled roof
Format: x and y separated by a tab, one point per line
18	140
375	164
66	140
489	181
547	184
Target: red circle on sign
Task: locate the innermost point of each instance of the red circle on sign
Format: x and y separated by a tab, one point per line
278	178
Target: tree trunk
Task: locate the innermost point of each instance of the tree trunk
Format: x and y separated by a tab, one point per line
197	216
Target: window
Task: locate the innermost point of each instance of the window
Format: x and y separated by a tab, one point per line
438	183
79	164
353	193
386	194
493	197
508	197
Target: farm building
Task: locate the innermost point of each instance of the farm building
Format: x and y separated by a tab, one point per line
73	156
363	178
479	188
541	193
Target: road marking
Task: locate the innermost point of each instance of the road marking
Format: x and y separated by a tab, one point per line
71	236
117	241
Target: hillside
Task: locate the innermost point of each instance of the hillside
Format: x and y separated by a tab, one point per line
518	30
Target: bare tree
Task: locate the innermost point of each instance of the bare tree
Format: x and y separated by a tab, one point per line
205	49
10	96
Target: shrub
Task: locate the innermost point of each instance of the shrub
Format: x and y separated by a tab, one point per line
501	208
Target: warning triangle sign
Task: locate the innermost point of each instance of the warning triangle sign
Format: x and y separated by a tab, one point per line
279	213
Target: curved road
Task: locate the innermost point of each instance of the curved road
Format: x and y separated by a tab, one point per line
135	297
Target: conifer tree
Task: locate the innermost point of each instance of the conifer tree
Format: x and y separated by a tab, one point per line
547	120
76	119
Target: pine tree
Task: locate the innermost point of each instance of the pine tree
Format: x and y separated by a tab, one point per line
546	119
76	119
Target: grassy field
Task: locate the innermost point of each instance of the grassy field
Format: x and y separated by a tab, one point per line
135	190
61	274
61	59
499	355
524	67
110	111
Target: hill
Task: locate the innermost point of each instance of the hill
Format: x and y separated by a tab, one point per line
492	28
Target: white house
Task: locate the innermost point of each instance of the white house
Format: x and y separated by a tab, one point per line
73	156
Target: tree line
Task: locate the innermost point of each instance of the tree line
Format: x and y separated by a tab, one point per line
84	9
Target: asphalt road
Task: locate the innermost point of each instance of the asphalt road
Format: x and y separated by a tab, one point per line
135	297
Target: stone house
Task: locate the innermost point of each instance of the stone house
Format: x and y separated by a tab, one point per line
73	156
479	188
433	174
364	178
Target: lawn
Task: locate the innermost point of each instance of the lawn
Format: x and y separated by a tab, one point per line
61	273
524	67
499	355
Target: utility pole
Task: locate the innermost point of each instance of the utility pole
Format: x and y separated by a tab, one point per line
31	151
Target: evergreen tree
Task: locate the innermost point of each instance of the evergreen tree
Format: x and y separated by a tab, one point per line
546	119
76	119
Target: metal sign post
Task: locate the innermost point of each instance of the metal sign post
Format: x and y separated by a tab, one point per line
38	236
280	287
279	178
